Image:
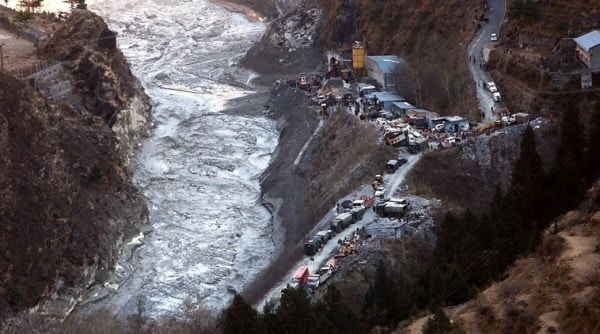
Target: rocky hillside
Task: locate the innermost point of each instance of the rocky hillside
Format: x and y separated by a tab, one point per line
102	77
466	176
66	200
302	189
554	290
291	43
541	67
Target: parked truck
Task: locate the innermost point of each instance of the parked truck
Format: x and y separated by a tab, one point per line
341	221
322	236
311	247
300	278
357	213
391	209
399	200
316	280
380	192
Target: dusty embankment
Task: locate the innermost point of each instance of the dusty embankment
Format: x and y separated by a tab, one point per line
554	290
67	202
342	155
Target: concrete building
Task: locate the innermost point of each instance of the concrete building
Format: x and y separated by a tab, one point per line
384	70
588	49
454	124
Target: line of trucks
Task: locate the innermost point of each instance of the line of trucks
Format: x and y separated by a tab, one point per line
385	207
351	215
302	278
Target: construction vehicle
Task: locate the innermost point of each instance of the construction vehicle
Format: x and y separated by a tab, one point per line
376	184
341	221
303	83
316	280
487	126
346	248
300	278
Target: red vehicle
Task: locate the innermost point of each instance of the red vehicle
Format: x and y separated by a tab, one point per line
300	277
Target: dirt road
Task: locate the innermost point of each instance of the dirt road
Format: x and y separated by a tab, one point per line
495	14
330	249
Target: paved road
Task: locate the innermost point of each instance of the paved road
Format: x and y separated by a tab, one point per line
391	180
496	12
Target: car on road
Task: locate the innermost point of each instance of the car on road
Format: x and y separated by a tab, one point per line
494	37
402	161
496	96
492	87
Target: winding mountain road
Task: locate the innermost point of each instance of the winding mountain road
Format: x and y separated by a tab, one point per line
315	262
495	14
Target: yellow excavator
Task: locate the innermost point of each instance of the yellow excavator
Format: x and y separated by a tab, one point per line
487	126
346	249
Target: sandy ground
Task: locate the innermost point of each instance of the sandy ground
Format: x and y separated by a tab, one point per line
19	53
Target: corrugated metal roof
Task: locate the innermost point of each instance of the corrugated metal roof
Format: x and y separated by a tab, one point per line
385	97
589	40
403	105
387	63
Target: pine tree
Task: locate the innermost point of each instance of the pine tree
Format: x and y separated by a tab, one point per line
381	301
530	178
339	313
438	323
268	320
567	173
295	313
239	317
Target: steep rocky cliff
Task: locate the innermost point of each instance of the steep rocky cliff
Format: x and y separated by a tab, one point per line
290	45
102	77
66	200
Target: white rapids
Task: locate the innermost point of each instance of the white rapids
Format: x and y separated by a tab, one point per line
200	168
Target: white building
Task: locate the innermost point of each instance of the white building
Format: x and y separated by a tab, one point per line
588	49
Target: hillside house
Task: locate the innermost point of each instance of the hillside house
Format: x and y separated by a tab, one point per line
384	70
588	49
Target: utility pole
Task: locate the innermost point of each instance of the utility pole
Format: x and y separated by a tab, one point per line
1	59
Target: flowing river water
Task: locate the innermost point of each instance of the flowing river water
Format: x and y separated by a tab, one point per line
200	168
